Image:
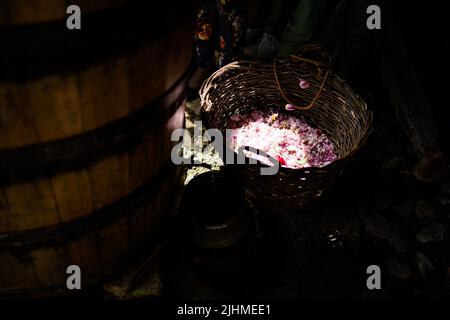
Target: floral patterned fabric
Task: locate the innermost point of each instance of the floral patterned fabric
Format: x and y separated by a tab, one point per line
220	31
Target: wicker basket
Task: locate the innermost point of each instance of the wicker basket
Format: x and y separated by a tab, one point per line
328	104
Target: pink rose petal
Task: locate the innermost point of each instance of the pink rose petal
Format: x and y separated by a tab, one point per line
289	107
304	84
288	139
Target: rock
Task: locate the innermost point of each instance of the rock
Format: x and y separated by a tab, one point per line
380	135
374	153
405	210
425	211
350	232
444	201
445	188
447	284
194	107
151	287
383	201
390	163
138	280
379	227
399	269
432	233
405	172
424	264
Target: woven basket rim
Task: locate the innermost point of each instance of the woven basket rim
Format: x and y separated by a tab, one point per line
248	65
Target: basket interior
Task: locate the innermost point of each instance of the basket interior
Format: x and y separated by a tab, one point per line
243	86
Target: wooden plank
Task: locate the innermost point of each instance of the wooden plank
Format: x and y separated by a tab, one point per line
109	179
72	192
114	242
20	271
138	170
85	253
147	71
104	93
31	205
6	218
89	6
3	15
17	124
25	11
54	103
179	43
50	265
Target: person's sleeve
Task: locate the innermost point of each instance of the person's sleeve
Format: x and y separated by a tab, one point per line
305	19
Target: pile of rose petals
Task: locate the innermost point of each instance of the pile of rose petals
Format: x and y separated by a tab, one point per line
290	140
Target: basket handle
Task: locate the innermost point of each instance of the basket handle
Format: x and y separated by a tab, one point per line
318	65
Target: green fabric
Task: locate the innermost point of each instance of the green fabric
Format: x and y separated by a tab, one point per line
307	16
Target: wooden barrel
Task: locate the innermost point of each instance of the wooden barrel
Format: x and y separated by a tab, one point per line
85	123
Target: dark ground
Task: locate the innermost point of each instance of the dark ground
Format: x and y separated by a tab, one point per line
375	213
